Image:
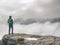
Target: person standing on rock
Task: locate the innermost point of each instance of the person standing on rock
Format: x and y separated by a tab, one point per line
10	23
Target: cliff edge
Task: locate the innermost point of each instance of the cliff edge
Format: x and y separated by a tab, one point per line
27	39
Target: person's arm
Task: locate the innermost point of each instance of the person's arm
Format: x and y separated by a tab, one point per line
8	21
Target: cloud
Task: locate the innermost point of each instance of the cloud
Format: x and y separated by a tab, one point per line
36	10
40	10
39	29
30	9
26	1
46	28
31	21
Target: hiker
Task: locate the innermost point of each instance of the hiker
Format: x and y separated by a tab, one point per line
10	22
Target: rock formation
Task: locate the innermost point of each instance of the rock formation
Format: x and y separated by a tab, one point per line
27	39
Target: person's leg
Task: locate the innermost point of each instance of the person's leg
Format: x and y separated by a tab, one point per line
12	29
9	29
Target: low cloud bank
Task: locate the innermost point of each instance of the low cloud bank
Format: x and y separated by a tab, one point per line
46	28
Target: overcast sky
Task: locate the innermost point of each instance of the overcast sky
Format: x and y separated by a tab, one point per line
30	8
30	12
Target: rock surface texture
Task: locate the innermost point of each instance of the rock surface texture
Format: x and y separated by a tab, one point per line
30	40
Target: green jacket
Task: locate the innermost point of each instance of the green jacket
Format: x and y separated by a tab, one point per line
10	21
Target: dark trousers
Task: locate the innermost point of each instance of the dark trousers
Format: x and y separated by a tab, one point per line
10	27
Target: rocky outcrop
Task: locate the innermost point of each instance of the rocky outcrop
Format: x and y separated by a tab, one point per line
27	39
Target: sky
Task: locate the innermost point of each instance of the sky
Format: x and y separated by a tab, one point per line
31	16
30	8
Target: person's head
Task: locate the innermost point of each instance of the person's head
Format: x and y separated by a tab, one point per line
10	17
